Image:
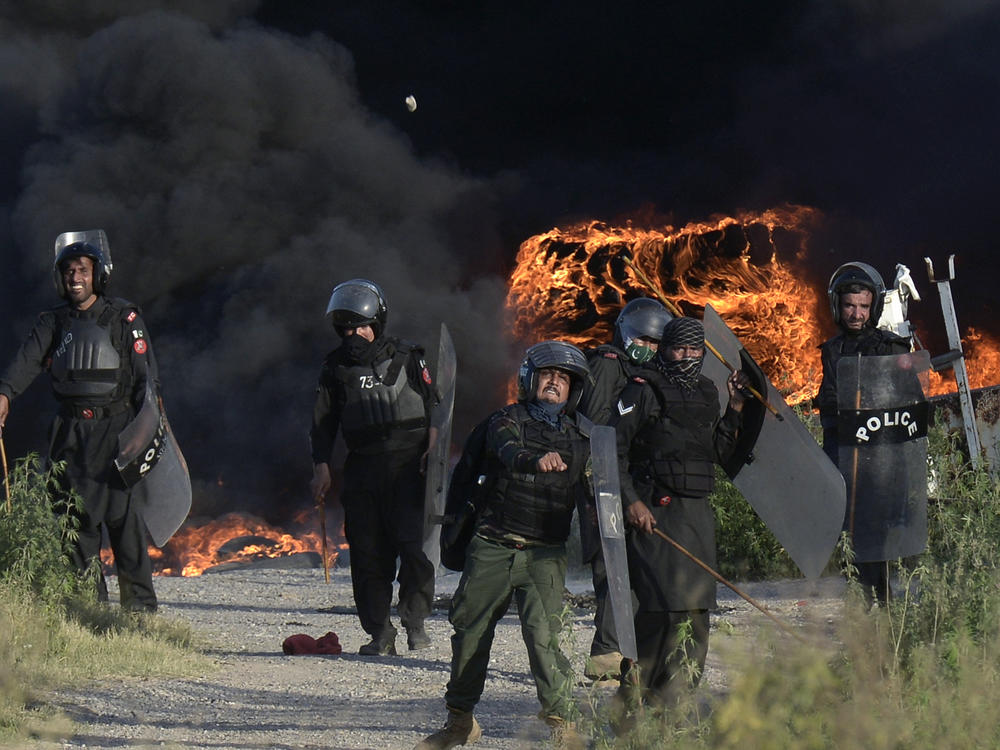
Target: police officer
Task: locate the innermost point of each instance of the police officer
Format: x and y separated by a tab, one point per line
538	456
669	436
97	351
636	337
856	292
377	391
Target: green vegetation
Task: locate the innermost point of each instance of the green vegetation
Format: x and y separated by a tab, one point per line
921	673
52	632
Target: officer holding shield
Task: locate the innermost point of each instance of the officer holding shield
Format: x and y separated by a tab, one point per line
378	392
636	337
856	292
97	351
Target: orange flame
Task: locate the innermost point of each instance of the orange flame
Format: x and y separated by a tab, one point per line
571	283
234	537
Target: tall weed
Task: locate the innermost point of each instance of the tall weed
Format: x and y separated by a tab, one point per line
52	632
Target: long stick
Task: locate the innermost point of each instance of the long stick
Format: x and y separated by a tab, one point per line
321	506
724	582
677	312
6	476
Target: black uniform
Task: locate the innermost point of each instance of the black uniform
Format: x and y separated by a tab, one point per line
869	342
610	372
668	440
381	403
100	360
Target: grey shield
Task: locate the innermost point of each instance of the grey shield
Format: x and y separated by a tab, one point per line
882	441
151	463
436	488
788	480
142	443
607	492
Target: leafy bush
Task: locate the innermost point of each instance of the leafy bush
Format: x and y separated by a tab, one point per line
37	532
52	630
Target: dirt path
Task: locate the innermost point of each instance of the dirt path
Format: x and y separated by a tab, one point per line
260	698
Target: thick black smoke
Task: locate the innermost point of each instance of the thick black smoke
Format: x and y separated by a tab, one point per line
881	115
239	178
246	156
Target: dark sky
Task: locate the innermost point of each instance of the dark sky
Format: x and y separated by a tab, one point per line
246	156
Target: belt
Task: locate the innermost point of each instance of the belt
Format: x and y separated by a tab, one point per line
508	543
72	411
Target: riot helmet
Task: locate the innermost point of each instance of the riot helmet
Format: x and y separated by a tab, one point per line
856	274
643	317
357	302
91	244
555	354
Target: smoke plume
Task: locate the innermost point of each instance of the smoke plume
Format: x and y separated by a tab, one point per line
239	179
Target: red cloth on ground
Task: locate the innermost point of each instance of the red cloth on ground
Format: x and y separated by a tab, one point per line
300	643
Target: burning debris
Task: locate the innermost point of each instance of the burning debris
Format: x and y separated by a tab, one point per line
240	539
571	283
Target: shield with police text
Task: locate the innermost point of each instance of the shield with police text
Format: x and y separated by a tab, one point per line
882	443
438	458
151	463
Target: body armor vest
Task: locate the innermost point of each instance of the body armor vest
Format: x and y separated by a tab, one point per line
382	411
677	450
85	361
539	506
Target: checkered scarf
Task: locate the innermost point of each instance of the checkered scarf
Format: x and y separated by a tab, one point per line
682	332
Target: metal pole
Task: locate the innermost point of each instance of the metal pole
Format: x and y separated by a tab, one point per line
961	375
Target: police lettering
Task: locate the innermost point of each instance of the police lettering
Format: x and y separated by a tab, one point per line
887	419
64	343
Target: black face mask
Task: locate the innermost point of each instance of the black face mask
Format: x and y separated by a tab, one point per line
358	349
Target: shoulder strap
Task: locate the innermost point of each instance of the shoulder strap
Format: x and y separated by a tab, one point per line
61	315
403	349
583	424
656	382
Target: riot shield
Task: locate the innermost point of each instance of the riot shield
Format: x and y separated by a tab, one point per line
882	443
785	476
607	493
151	463
436	487
142	442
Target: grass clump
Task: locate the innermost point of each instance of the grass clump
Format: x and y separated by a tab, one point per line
52	631
920	673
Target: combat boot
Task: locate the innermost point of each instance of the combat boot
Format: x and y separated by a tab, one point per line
383	645
603	667
417	638
461	728
565	735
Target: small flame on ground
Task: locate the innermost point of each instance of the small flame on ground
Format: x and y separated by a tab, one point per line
234	537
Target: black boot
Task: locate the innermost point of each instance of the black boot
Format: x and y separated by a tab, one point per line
417	638
383	645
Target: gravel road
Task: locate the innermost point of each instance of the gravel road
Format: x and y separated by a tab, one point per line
260	698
